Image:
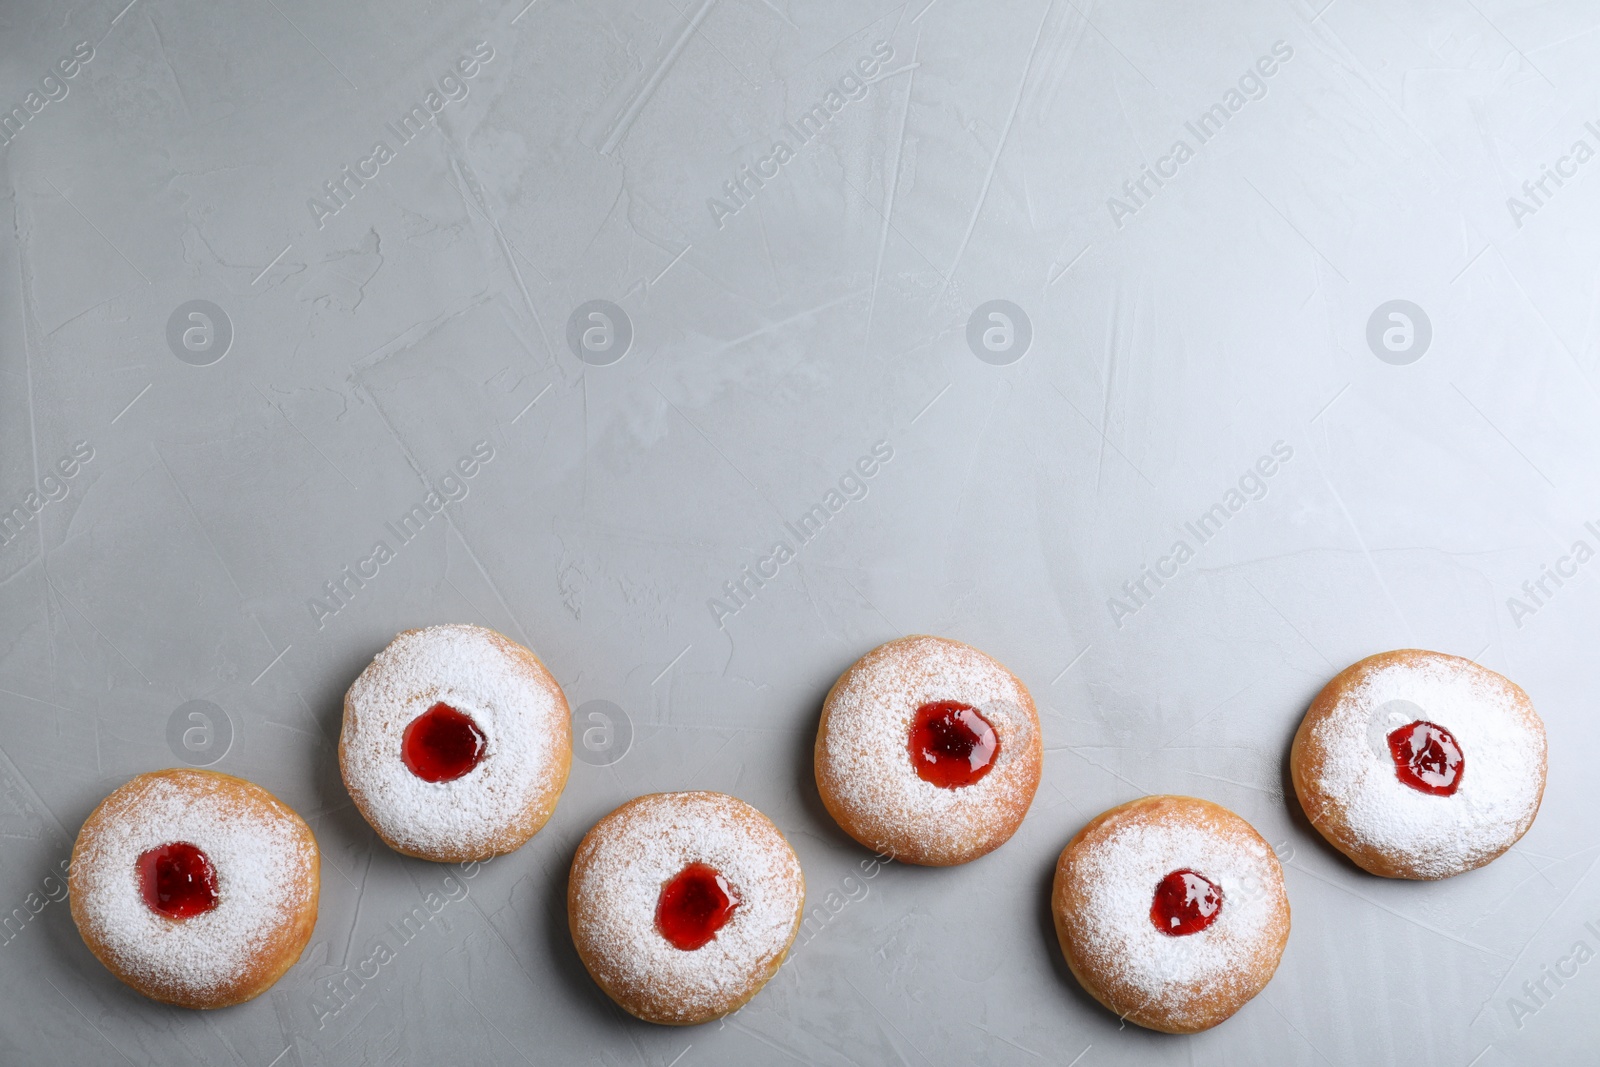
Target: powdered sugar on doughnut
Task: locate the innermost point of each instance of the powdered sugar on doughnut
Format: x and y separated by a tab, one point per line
1503	777
869	767
475	671
265	865
1181	978
618	875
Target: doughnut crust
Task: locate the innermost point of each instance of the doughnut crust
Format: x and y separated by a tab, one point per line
1105	883
504	800
268	880
1346	780
614	889
865	773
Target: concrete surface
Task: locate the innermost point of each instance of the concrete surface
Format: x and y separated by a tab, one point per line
258	341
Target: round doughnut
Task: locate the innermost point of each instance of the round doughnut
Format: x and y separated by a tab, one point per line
1420	765
195	888
456	743
929	751
1171	912
682	905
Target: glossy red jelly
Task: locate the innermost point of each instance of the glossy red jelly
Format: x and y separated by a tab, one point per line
442	744
1186	902
177	880
695	905
951	744
1427	758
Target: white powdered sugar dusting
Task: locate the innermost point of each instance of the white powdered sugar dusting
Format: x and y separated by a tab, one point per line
1118	875
1503	763
618	876
472	670
869	726
264	862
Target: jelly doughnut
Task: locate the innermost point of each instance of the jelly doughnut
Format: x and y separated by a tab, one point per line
456	743
1171	912
682	905
929	751
195	888
1420	765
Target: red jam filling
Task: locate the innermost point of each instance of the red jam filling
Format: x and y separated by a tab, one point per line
1427	758
1186	902
951	744
694	905
177	880
442	744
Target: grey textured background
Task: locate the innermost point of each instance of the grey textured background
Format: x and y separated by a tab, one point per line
1173	344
